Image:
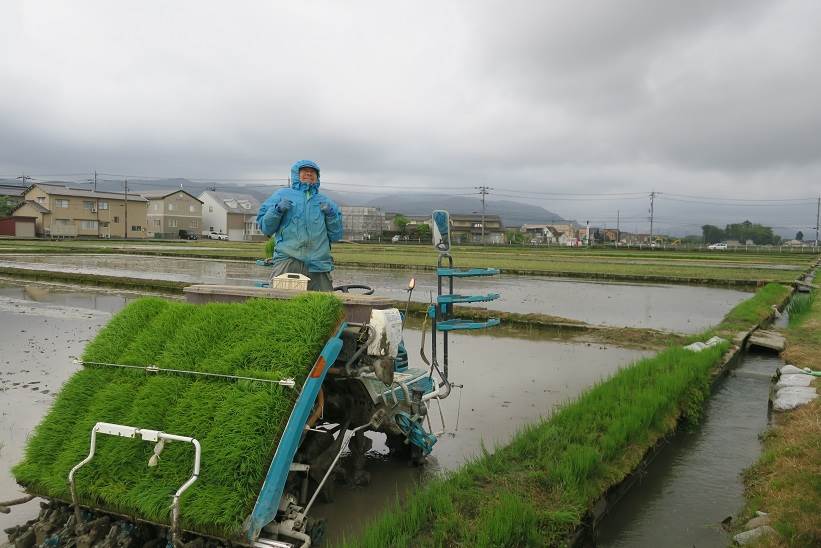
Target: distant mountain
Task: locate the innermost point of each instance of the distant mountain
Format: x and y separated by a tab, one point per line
512	213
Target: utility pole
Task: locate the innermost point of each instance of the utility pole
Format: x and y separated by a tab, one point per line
652	212
95	180
817	219
484	191
25	178
618	226
125	215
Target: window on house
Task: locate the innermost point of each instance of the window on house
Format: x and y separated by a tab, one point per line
63	222
195	223
171	207
211	229
157	223
102	205
156	206
88	205
172	223
88	225
136	228
191	209
61	203
116	219
210	209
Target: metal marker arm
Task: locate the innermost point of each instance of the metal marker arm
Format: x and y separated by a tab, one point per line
145	434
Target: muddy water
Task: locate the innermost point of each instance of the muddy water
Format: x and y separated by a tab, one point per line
507	383
695	483
37	343
684	309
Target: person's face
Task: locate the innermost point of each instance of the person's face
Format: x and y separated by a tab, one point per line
307	175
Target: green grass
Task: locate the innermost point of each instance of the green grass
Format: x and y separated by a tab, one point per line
237	423
754	310
799	307
535	490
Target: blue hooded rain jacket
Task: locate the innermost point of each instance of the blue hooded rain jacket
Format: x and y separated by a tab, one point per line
303	232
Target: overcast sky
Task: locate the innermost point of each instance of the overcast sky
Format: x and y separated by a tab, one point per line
704	98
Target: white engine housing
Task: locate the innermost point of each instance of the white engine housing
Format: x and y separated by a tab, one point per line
387	326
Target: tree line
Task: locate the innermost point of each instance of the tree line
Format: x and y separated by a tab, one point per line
741	232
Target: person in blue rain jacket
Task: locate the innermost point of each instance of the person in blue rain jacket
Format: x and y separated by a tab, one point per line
305	222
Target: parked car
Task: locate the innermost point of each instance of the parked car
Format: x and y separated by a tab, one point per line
395	238
185	235
719	245
217	236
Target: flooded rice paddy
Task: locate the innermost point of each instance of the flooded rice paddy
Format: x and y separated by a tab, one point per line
507	384
695	482
684	309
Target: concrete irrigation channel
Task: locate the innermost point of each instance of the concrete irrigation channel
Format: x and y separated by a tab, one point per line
50	324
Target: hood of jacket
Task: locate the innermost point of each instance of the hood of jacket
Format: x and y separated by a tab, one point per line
296	184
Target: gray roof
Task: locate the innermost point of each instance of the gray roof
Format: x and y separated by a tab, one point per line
62	190
38	207
11	190
235	202
160	194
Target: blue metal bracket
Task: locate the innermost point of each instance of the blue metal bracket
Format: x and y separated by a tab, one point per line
267	505
469	273
456	324
453	299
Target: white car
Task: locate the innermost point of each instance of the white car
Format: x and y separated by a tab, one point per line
720	245
217	236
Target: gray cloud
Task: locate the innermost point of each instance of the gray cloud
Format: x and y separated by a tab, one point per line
706	97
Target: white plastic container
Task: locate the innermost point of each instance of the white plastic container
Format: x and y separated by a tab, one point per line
290	281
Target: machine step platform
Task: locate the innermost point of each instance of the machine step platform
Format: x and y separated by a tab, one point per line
457	324
453	299
469	273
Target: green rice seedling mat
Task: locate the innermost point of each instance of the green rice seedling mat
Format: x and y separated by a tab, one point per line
238	422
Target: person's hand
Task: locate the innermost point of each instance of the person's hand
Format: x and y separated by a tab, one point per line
328	210
284	205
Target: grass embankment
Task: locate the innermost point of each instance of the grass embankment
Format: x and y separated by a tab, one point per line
786	480
753	311
237	423
719	268
537	490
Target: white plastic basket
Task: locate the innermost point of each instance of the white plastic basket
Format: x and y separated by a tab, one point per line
290	281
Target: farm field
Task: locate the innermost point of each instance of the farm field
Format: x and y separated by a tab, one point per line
718	267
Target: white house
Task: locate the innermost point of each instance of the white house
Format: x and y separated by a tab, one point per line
231	213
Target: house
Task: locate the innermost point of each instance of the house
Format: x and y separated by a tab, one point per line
172	211
467	228
231	213
61	211
610	235
539	234
18	227
362	223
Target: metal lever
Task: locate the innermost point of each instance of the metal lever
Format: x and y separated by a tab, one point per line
145	434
